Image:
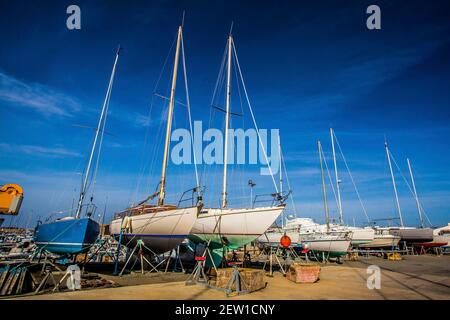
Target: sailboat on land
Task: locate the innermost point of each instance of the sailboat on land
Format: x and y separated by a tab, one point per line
72	235
407	234
231	228
161	227
358	235
326	243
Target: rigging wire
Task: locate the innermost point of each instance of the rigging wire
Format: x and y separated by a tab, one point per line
289	184
94	176
188	106
253	118
409	187
134	195
351	178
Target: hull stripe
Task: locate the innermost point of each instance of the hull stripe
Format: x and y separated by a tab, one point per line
154	235
64	243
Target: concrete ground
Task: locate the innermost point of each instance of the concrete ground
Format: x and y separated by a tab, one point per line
415	277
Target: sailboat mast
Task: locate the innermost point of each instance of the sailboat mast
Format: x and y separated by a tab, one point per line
281	172
227	118
393	183
162	188
94	143
415	194
319	146
341	216
281	177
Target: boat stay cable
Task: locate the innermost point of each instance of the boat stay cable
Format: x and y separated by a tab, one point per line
351	178
329	177
288	184
409	187
94	143
253	118
188	107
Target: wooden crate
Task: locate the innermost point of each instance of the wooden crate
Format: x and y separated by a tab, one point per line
303	273
252	279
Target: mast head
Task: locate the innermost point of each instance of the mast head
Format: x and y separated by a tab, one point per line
182	19
119	49
231	29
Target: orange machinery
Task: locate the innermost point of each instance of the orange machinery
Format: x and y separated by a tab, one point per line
11	196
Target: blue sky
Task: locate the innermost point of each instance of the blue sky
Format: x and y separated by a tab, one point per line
307	66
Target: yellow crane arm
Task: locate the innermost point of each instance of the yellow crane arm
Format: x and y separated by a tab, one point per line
11	196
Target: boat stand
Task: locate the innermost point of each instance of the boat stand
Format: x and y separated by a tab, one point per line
48	276
198	275
236	281
273	254
103	244
46	261
177	260
140	246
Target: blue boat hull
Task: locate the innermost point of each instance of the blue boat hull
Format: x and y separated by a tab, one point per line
67	236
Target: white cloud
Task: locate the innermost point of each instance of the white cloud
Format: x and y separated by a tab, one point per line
56	152
35	96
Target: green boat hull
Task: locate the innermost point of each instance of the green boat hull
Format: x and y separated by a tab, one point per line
216	241
219	245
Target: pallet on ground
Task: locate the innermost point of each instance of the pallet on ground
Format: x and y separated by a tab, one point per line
303	272
251	279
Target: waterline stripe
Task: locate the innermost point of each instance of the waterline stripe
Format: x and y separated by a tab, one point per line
154	235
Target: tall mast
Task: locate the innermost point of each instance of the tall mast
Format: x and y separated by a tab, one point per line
227	118
319	146
279	157
393	183
162	188
415	194
341	216
94	143
281	177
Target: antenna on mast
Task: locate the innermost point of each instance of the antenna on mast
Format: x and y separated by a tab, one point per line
231	28
182	19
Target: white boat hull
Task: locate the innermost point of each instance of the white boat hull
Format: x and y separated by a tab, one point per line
273	238
160	231
361	236
331	245
382	241
233	228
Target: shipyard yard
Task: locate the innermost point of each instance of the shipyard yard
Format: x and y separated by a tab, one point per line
310	162
414	277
